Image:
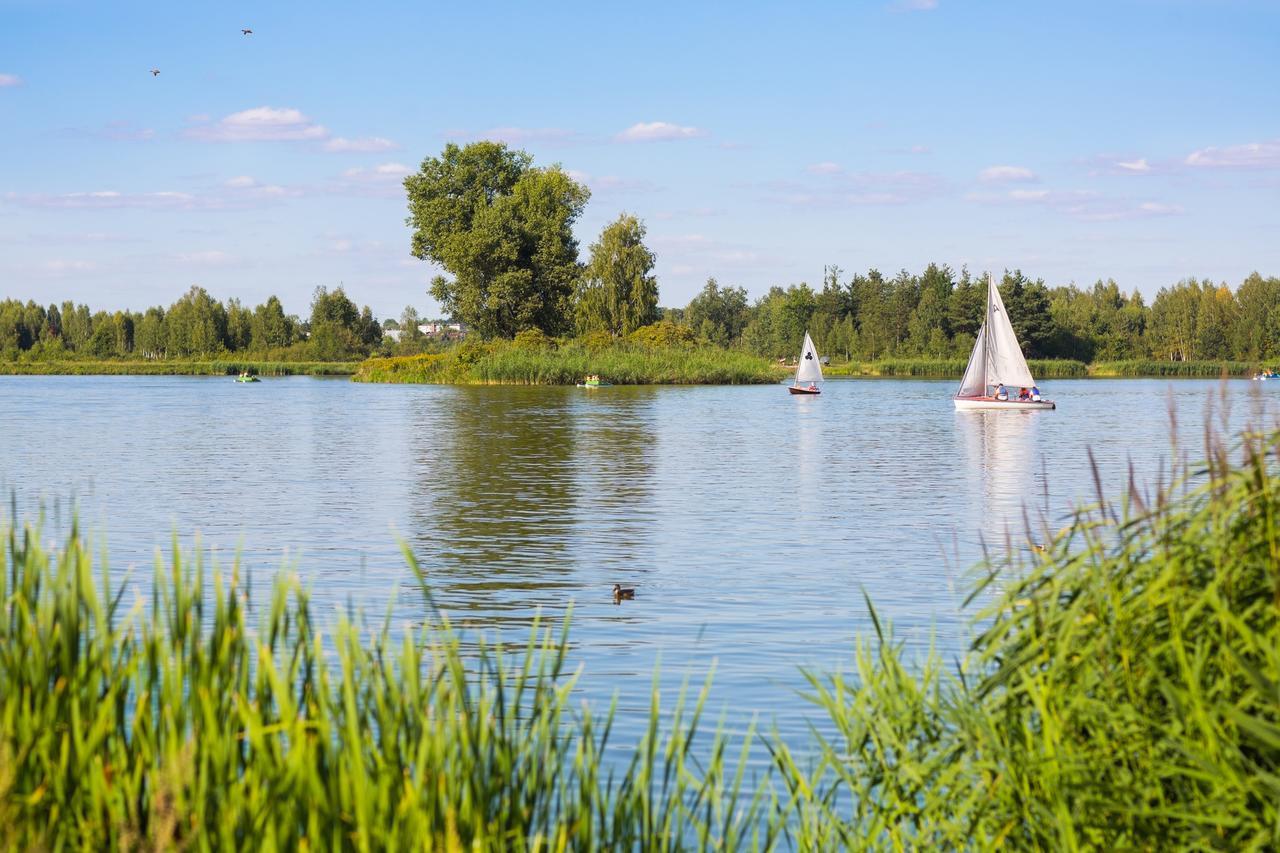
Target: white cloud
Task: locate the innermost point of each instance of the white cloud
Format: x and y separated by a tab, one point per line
824	168
843	189
521	135
611	183
260	124
1006	174
385	171
207	258
65	267
1134	167
104	199
8	81
658	131
364	144
1084	205
915	5
241	182
1253	155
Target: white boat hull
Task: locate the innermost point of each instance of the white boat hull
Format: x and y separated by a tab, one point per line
993	403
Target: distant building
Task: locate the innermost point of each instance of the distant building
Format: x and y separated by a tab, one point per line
433	329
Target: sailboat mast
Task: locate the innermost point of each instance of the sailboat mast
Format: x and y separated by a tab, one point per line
986	336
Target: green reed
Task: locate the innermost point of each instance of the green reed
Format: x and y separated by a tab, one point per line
1155	367
180	720
179	367
950	368
1122	690
566	363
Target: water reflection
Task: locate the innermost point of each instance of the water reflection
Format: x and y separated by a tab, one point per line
1007	473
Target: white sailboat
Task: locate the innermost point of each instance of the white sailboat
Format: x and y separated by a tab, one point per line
997	362
808	370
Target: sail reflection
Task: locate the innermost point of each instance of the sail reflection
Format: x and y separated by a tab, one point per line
1009	483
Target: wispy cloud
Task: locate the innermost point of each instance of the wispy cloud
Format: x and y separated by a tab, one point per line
247	187
1252	155
9	81
914	5
606	184
204	258
658	131
360	145
521	135
832	186
61	267
260	124
121	131
1006	174
382	172
1083	205
104	200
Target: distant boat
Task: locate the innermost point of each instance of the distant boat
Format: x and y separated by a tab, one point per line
997	361
1267	375
808	370
247	379
594	382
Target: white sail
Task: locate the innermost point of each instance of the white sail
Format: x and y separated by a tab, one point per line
809	369
974	383
1004	357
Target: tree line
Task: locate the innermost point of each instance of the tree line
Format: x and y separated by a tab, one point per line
195	325
937	314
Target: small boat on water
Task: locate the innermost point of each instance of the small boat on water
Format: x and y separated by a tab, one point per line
807	370
997	365
244	377
594	381
1266	375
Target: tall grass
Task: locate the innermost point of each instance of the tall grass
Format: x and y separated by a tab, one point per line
622	363
1122	691
1153	367
178	367
179	721
948	368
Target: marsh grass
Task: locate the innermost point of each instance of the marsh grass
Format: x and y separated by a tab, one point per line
1122	691
1154	367
566	363
176	721
177	367
949	368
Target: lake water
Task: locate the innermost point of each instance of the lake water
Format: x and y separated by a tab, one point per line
751	522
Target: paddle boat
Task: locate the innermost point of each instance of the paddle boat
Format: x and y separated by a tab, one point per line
1264	375
594	381
246	377
997	367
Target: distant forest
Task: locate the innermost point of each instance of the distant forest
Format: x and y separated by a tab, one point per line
937	314
867	317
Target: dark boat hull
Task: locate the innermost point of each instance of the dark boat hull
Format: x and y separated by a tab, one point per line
794	390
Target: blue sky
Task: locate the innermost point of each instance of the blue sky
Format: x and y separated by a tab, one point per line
1134	140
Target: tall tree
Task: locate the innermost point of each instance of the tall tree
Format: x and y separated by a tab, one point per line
504	231
618	293
718	314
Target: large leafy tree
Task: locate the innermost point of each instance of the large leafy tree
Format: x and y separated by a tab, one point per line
503	230
619	293
718	314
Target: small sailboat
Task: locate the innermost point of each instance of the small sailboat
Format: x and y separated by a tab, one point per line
997	362
808	370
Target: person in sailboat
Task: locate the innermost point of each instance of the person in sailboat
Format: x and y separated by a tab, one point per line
1023	395
1035	394
813	386
1002	393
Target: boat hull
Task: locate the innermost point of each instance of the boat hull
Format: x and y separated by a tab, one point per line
794	390
993	403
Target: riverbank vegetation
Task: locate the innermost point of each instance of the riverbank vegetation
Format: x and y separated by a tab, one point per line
1122	691
648	357
176	367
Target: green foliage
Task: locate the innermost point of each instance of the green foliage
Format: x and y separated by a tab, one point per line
718	315
182	722
952	368
663	333
504	231
176	367
1147	367
533	339
618	292
619	362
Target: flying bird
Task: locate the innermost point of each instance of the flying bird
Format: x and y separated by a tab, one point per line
247	32
155	72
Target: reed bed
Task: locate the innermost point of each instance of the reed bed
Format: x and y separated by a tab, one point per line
949	368
1122	691
621	363
1153	367
161	367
